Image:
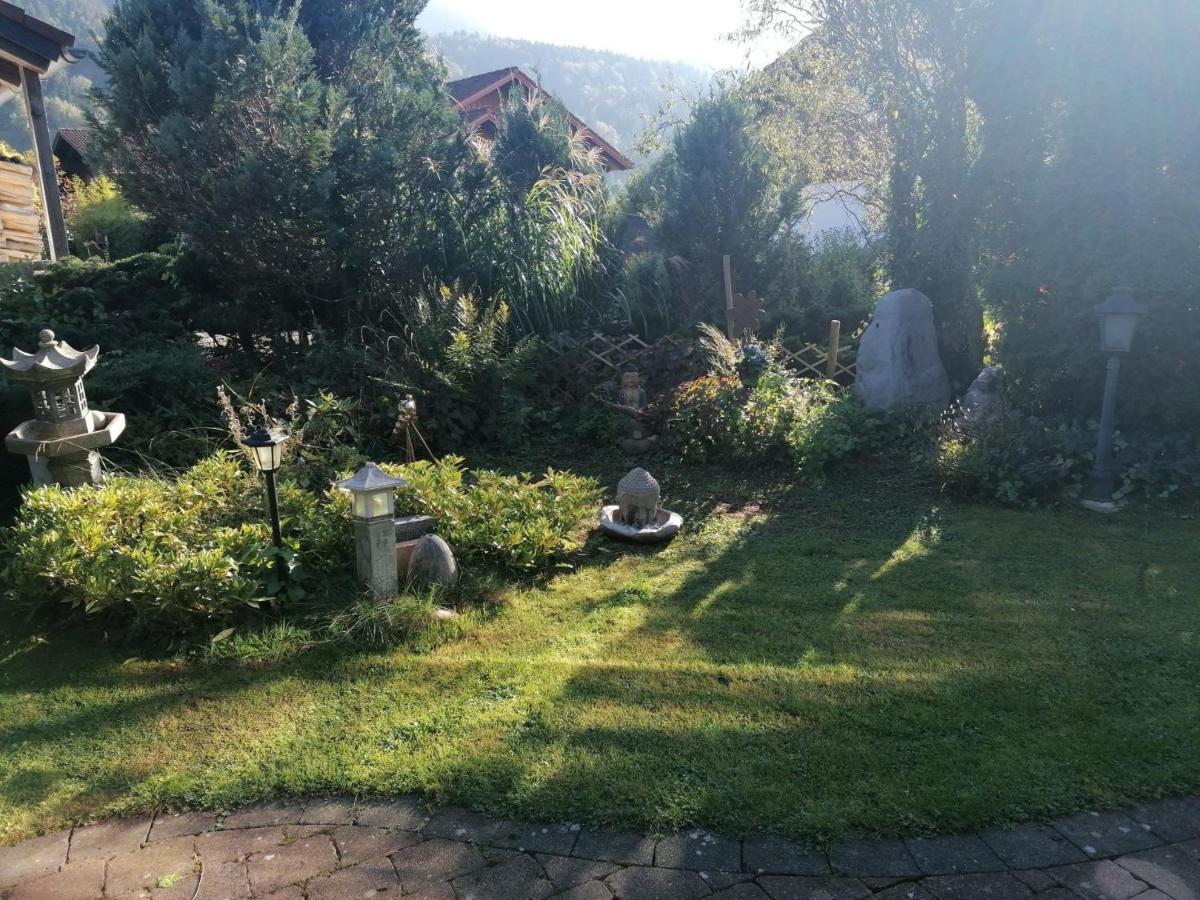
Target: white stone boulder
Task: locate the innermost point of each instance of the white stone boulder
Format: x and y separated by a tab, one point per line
898	360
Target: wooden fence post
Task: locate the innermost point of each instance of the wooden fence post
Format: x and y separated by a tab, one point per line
835	337
56	229
728	297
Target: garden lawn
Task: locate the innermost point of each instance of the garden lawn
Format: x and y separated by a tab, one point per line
799	661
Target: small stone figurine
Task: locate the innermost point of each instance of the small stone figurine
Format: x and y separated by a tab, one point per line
637	499
632	403
636	516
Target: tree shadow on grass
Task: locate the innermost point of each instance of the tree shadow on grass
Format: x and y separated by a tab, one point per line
936	670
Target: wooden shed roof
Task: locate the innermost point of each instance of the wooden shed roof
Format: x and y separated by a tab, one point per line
26	42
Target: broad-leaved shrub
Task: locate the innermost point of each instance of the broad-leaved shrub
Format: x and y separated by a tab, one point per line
166	556
512	521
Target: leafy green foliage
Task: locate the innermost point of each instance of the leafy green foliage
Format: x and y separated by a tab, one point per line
831	427
712	193
151	367
1026	461
160	556
289	146
102	223
778	417
1108	144
532	135
515	522
472	380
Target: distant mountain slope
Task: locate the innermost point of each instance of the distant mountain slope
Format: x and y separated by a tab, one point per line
613	93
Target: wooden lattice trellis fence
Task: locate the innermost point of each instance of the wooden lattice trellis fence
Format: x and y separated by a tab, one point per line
834	362
605	356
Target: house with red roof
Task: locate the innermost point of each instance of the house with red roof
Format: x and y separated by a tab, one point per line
480	99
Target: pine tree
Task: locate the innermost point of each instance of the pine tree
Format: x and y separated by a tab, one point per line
300	153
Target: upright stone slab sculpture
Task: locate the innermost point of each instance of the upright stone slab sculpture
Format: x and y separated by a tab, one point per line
62	439
898	360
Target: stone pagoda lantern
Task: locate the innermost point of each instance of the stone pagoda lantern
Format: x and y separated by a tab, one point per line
62	439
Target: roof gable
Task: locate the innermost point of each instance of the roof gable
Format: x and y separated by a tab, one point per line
467	91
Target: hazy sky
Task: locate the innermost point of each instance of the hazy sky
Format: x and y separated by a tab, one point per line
690	31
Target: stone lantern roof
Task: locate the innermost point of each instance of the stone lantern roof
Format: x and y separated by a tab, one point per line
370	478
54	361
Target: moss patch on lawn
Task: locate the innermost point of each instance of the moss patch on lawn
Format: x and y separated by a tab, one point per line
810	662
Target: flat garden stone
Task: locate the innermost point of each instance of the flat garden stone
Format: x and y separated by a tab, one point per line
878	858
229	846
263	814
330	811
1100	880
1172	820
435	860
1033	847
356	843
719	881
1191	848
536	838
791	887
592	890
457	824
223	881
742	892
404	813
1171	871
568	872
83	880
907	891
39	856
953	854
169	868
436	891
775	856
107	839
172	825
520	878
291	863
645	883
979	886
374	878
625	847
1035	879
878	884
699	850
1107	834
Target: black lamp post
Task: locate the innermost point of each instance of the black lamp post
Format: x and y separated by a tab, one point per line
1118	320
267	450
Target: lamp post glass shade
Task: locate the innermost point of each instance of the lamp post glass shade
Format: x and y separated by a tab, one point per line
1119	316
267	447
373	493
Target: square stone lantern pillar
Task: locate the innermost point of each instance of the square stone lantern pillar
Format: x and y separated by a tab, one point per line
62	439
373	495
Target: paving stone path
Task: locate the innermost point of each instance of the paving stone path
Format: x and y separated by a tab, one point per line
342	848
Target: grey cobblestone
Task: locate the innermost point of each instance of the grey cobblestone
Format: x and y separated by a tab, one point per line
310	851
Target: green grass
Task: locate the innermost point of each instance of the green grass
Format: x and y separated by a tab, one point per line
866	660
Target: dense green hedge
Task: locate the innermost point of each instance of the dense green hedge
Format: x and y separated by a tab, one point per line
158	557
